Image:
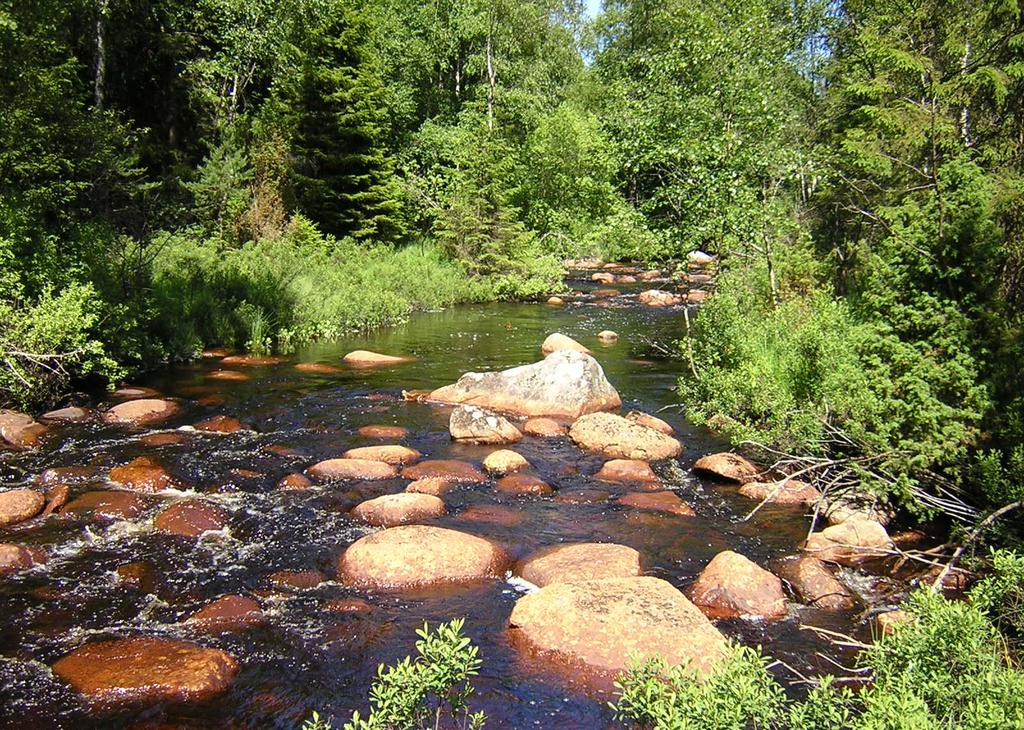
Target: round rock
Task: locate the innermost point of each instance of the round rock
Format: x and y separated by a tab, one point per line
626	471
607	336
142	475
141	412
475	425
228	613
389	454
658	298
384	432
107	505
448	469
505	461
366	358
814	583
792	492
727	466
557	341
519	484
665	501
191	518
418	555
16	558
19	505
544	428
361	469
583	561
399	509
619	438
731	586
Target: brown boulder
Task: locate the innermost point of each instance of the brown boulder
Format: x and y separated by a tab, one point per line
555	301
220	424
605	293
850	542
164	439
447	469
229	375
557	341
104	505
390	454
477	426
16	558
518	484
886	623
19	505
228	613
606	624
649	275
792	492
142	475
19	429
361	469
607	336
133	392
294	481
627	471
303	580
618	438
603	278
318	368
56	497
492	514
66	475
696	296
657	502
815	584
579	562
141	412
731	586
505	461
191	518
365	358
418	555
727	466
398	509
658	298
146	671
252	360
646	419
544	428
435	486
384	432
67	415
140	576
565	383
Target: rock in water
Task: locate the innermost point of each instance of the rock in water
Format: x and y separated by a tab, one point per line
792	492
141	412
418	555
582	561
475	425
565	383
727	466
389	454
505	462
366	358
19	505
850	542
604	624
814	583
557	341
659	298
731	586
146	671
398	509
618	438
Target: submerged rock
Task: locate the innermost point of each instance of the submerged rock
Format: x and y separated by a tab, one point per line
384	432
252	360
519	484
727	466
366	358
146	671
107	505
141	412
318	368
191	518
228	613
19	505
565	383
666	501
16	558
450	470
618	438
732	586
70	414
418	555
606	624
557	341
220	424
475	425
294	481
390	510
229	375
579	562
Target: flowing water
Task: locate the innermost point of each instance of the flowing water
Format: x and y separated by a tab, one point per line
306	656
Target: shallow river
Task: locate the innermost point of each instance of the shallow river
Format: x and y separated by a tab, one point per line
306	656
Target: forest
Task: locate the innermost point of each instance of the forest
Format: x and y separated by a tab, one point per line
262	174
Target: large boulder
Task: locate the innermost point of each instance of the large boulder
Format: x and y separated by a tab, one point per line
627	471
191	518
731	586
146	671
18	505
362	469
727	466
849	542
398	509
603	625
389	454
419	555
659	298
618	438
20	430
142	475
228	613
557	341
582	561
141	412
477	426
104	505
565	383
814	583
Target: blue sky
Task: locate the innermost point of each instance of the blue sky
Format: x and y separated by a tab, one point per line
593	7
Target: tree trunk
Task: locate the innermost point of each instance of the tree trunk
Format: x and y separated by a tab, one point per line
100	68
491	73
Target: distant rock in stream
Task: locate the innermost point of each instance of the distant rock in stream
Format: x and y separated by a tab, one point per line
477	426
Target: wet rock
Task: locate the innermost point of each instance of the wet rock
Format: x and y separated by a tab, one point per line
16	558
731	586
555	301
649	421
668	502
557	341
477	426
814	583
18	505
603	278
362	469
56	497
435	486
792	492
493	514
390	454
146	671
302	580
887	623
138	575
66	475
625	279
856	507
727	466
107	505
318	368
230	375
565	383
519	484
698	279
142	475
294	481
133	392
70	414
19	429
252	360
649	275
384	432
348	605
220	424
141	412
618	438
582	496
850	542
607	336
699	258
544	428
390	510
228	613
168	438
505	461
605	624
215	352
365	358
579	562
626	471
658	298
418	555
282	450
605	293
447	469
696	296
191	518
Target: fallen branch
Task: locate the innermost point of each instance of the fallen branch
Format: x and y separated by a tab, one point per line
937	584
